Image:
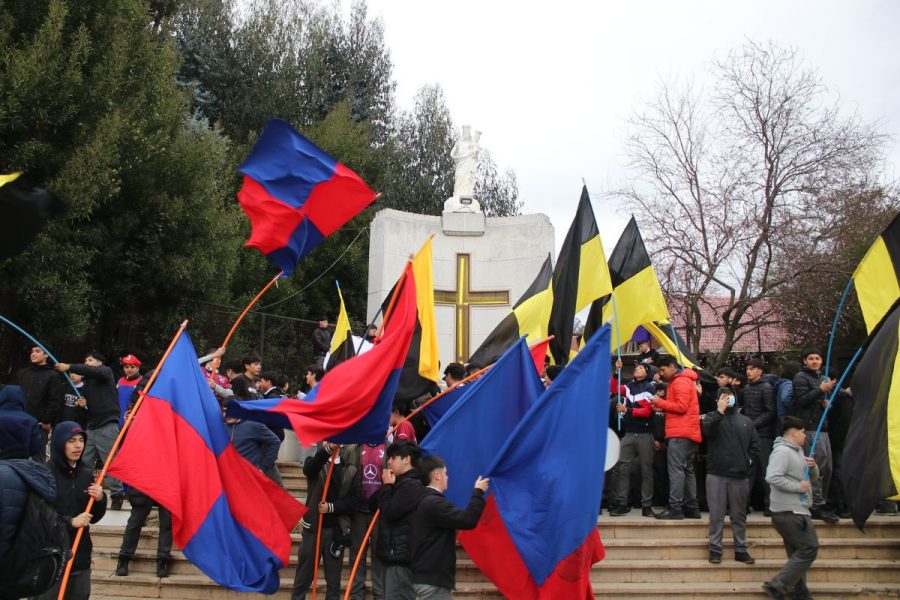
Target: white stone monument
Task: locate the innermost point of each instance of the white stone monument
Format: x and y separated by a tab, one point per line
481	265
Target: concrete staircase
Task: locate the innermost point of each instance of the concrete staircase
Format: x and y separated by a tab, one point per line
646	559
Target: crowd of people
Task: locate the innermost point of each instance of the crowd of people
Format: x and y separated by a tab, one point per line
690	441
731	444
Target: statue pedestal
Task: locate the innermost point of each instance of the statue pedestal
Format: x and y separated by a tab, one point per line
459	223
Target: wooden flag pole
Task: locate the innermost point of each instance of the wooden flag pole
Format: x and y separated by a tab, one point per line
112	453
334	454
360	552
248	307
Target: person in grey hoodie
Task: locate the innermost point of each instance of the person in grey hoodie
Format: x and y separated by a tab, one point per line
790	499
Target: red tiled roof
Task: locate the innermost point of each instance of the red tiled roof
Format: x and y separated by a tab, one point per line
770	337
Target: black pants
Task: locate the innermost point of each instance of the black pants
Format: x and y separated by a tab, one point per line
802	547
303	578
141	504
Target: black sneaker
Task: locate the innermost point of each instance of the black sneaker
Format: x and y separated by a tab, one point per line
692	514
823	514
670	515
162	568
122	566
618	511
647	512
715	558
767	512
773	591
744	557
117	501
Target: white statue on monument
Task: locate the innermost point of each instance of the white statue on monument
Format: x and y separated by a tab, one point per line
465	153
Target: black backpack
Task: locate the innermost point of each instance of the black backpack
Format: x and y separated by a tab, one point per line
39	553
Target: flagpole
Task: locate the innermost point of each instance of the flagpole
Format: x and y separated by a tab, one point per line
834	325
334	454
112	453
359	553
248	307
618	358
41	346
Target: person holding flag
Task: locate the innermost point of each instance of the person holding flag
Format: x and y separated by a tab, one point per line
434	527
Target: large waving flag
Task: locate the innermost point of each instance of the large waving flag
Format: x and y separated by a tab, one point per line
421	371
548	477
469	435
25	211
228	518
342	347
352	403
580	277
877	278
296	195
639	298
529	317
872	448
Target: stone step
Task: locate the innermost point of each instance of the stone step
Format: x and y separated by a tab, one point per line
610	570
183	587
630	528
627	549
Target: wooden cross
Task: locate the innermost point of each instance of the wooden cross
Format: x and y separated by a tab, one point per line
462	298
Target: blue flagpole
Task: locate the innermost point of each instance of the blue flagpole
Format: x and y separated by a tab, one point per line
834	393
618	358
41	346
834	325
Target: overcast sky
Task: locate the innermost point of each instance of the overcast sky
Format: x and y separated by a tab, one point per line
551	84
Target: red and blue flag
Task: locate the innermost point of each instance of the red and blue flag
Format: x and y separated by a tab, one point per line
296	195
228	518
352	403
469	435
547	480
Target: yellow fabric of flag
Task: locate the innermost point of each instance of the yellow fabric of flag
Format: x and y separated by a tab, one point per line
429	359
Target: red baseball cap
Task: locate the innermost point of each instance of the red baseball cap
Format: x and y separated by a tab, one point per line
131	359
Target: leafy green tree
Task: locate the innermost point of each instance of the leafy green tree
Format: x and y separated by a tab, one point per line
91	110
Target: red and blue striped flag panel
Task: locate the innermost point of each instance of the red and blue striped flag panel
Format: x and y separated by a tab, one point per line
352	403
296	195
230	520
548	512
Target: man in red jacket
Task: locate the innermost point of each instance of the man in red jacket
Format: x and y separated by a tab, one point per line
682	408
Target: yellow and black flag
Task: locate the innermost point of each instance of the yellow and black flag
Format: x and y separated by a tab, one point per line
639	298
872	447
876	277
580	277
529	317
24	211
342	343
421	371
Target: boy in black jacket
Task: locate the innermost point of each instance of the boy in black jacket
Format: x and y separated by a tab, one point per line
397	499
434	528
336	508
733	446
74	485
